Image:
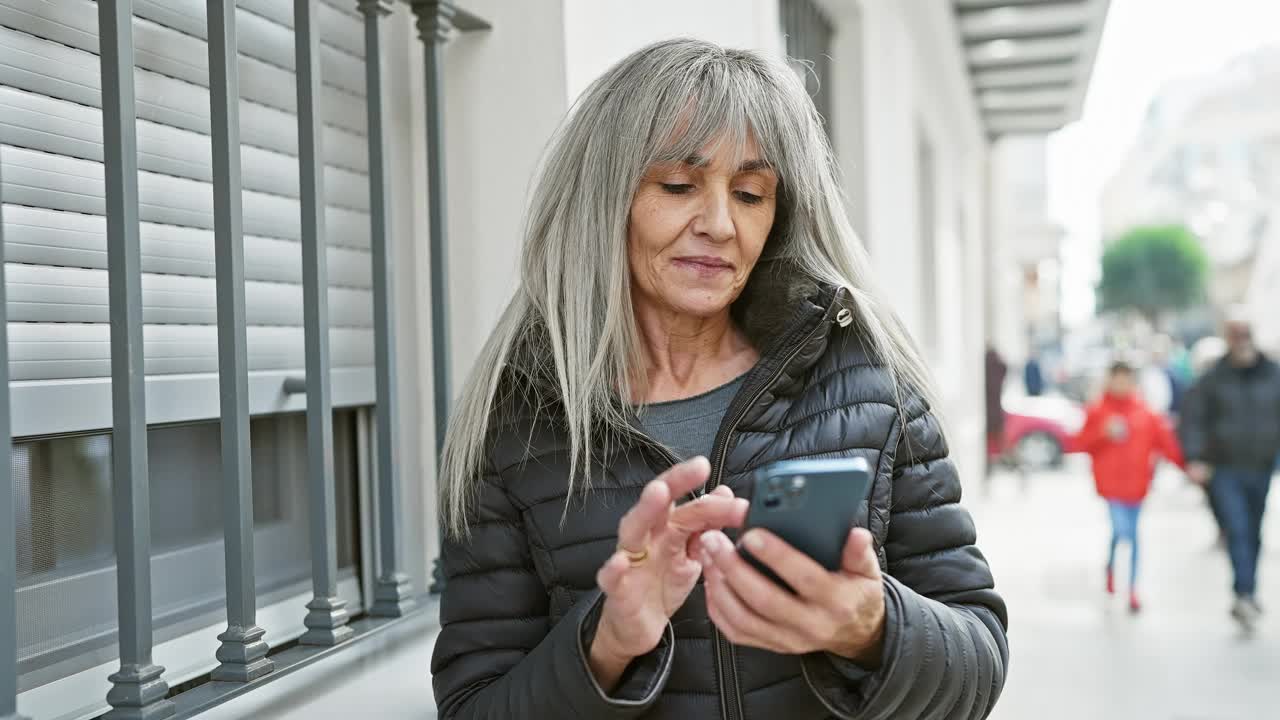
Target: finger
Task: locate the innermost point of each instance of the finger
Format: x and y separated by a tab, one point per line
859	557
809	579
739	623
763	596
609	576
723	490
650	511
693	548
709	512
683	478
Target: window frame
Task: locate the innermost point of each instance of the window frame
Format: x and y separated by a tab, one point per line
186	647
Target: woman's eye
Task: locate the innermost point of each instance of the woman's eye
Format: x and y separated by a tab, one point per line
677	188
748	198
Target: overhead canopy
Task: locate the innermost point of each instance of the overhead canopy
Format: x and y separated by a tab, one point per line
1030	60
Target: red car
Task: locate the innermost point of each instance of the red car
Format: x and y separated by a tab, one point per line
1036	432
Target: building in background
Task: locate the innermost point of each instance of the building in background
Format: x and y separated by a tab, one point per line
936	111
1025	313
1208	157
1031	80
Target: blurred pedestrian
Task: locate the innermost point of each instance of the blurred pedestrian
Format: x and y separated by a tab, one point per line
1231	432
1123	437
1181	365
1155	379
995	372
1202	357
1205	354
1033	377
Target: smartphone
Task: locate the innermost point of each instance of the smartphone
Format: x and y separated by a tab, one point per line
811	504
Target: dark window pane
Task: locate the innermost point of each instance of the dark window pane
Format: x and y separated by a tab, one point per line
808	36
66	573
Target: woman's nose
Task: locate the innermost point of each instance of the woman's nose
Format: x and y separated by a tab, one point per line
715	221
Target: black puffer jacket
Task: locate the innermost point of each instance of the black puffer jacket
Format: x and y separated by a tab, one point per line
1231	416
521	604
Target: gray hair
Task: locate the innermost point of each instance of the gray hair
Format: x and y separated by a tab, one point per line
570	323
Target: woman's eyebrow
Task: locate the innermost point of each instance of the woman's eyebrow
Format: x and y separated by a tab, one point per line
746	166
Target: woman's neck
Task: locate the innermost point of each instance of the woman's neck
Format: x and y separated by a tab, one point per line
688	355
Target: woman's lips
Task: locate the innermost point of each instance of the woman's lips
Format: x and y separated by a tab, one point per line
704	266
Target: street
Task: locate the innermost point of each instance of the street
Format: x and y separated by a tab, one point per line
1077	652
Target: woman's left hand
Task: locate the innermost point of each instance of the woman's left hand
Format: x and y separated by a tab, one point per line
838	612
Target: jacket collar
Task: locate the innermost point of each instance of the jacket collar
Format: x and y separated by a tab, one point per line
778	296
789	317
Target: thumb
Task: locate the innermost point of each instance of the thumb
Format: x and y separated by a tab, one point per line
860	555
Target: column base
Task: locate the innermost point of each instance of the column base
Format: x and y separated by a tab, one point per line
13	716
138	693
392	596
326	622
243	654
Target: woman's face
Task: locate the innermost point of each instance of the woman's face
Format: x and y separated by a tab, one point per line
697	228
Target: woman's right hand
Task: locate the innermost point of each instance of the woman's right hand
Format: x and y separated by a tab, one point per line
641	595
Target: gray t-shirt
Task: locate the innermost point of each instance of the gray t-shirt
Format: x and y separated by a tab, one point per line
689	426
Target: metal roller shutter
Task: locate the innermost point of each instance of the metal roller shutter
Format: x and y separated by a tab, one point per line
51	133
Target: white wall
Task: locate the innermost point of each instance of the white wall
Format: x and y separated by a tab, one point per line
848	104
504	95
1011	165
599	33
916	88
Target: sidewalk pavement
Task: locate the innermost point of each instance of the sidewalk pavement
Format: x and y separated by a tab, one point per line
1078	653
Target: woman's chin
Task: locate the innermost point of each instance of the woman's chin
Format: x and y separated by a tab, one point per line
702	305
699	299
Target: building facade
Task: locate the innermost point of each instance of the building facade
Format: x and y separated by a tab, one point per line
1208	157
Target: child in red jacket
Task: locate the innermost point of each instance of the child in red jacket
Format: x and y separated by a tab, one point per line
1123	436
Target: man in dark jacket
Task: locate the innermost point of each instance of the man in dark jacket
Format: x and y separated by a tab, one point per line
995	370
1230	431
1033	377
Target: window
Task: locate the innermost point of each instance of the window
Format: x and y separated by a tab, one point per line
808	34
307	178
66	599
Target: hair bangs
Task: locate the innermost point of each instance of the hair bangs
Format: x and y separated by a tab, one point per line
712	116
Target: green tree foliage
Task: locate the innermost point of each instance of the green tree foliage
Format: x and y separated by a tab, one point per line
1153	269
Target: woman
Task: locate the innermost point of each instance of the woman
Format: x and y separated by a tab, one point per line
691	289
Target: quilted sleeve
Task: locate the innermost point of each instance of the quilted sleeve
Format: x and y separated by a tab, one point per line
945	648
499	657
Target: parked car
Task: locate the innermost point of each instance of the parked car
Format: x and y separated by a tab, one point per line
1037	432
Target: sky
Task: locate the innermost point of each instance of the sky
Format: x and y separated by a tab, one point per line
1145	44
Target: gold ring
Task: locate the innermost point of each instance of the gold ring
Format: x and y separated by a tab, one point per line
635	557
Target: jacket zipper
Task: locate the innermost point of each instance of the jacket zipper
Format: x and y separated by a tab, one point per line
721	450
726	655
730	701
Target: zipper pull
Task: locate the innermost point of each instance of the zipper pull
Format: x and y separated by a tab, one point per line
844	318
